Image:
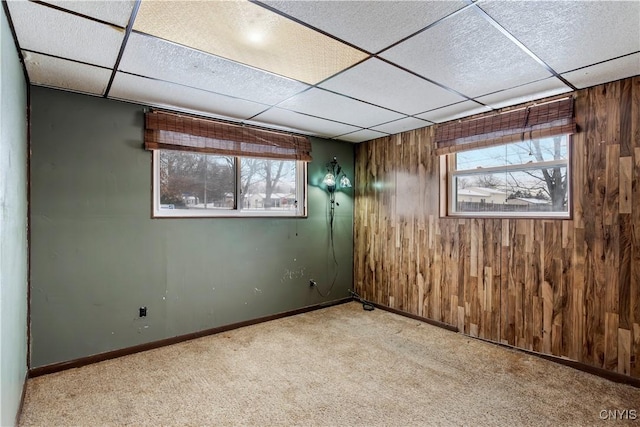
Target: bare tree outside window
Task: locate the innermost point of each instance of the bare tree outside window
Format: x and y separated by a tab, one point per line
197	184
523	177
545	183
268	184
196	181
487	181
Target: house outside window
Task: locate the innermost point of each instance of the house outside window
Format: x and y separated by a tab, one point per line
205	185
510	163
521	179
210	168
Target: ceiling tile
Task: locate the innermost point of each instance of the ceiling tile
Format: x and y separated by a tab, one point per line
278	127
452	112
163	94
571	34
45	30
113	11
362	136
302	122
467	54
370	25
320	103
380	83
234	69
249	34
402	125
616	69
525	93
156	58
62	74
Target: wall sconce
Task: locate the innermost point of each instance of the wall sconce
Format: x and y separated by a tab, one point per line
335	179
333	172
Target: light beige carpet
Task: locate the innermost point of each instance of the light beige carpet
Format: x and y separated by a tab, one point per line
339	366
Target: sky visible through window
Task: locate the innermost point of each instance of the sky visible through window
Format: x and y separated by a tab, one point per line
512	154
513	177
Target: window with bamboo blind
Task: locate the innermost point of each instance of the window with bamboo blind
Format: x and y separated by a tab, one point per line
208	168
510	164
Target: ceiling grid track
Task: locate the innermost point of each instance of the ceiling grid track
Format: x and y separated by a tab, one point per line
521	45
12	28
127	33
311	27
343	70
75	61
467	98
604	62
422	30
74	13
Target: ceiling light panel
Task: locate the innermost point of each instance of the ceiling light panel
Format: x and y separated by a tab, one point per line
62	74
304	123
362	136
616	69
379	83
115	12
156	58
452	112
249	34
45	30
370	25
159	93
467	54
320	103
571	34
402	125
529	92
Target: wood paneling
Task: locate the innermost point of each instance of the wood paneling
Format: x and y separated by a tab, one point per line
568	288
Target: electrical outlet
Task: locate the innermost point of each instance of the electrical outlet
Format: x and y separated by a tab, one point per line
143	311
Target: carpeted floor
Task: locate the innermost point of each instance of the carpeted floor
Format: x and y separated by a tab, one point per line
339	366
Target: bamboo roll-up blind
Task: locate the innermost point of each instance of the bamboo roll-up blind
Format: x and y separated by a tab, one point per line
171	131
533	122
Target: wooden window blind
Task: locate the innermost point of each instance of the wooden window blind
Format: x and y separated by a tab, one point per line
171	131
533	122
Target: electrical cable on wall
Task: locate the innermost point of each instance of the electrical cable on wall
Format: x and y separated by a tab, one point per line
332	204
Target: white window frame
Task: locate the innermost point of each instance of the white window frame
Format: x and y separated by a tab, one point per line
448	190
237	210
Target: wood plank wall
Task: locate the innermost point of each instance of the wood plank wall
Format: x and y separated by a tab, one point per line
567	288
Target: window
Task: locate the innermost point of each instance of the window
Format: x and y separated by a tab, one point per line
205	168
203	185
528	178
514	163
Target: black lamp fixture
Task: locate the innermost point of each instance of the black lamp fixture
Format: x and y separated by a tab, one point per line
335	177
334	180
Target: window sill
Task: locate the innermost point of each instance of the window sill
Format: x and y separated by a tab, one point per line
492	215
181	214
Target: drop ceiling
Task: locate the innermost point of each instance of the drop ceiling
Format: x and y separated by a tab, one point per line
348	70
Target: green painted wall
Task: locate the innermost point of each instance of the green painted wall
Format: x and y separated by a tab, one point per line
97	255
13	226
